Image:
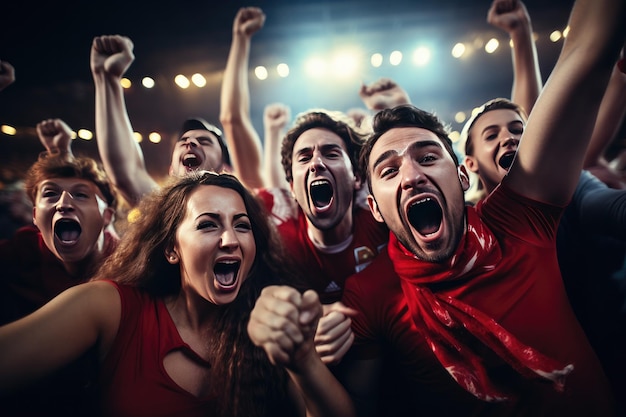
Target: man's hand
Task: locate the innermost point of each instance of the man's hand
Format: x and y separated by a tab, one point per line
55	135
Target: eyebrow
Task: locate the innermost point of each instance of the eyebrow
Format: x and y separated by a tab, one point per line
513	122
413	146
218	216
324	147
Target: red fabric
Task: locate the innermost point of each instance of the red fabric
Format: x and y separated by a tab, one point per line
452	327
326	272
133	379
524	294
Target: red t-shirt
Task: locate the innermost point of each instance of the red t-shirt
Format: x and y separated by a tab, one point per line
326	272
524	293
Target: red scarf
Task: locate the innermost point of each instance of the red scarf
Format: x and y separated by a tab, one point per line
456	331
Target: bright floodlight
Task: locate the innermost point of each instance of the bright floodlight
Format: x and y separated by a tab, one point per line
85	134
198	80
260	72
344	64
138	137
154	137
315	67
395	58
492	45
182	81
555	36
458	50
376	60
8	130
421	56
460	117
125	82
147	82
282	70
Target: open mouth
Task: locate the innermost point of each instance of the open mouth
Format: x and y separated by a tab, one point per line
321	193
226	273
191	161
506	160
67	231
425	216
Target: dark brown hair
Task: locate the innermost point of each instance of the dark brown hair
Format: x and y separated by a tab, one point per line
246	383
336	122
405	115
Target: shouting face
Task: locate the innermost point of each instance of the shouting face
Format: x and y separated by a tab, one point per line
495	136
323	179
417	190
214	244
196	149
71	214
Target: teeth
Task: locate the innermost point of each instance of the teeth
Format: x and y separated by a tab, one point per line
319	182
421	201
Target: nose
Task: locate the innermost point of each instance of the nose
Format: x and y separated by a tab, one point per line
316	163
229	240
510	142
411	174
191	142
508	139
65	202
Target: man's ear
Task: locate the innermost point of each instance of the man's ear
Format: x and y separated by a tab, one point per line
371	202
35	216
358	183
171	256
291	190
463	177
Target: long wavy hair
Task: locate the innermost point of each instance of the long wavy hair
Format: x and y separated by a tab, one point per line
246	383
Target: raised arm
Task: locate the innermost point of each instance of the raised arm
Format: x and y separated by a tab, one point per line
122	158
560	125
243	141
275	119
283	323
7	74
512	17
610	117
55	135
57	333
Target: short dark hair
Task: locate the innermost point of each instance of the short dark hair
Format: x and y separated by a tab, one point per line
336	122
405	115
198	123
59	165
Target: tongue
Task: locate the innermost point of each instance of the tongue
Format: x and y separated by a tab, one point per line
69	235
425	228
225	278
